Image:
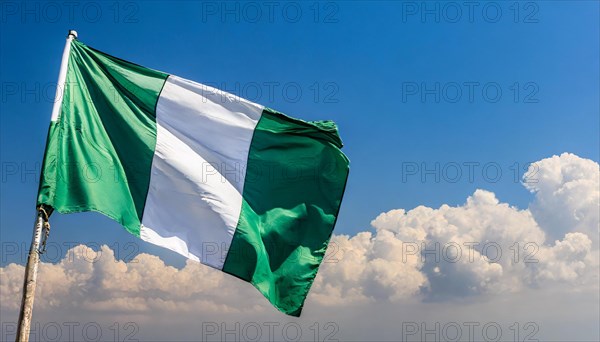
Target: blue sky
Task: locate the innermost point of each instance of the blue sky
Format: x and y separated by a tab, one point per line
368	66
433	100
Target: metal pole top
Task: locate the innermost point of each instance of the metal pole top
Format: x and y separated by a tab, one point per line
72	33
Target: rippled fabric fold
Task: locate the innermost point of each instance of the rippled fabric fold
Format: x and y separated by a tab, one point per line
295	181
100	149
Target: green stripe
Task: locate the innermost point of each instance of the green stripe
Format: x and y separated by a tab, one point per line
295	179
99	153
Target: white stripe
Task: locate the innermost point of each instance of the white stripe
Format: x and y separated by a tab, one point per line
195	195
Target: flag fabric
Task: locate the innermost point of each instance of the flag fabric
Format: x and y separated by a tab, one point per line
216	178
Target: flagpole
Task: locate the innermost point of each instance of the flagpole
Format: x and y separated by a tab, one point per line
41	221
30	280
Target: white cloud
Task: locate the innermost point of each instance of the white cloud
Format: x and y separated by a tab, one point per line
483	248
98	281
567	198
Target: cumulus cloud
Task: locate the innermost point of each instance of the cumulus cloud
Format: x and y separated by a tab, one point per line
567	198
483	247
96	280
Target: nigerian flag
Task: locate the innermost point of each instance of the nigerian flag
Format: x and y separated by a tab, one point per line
219	179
